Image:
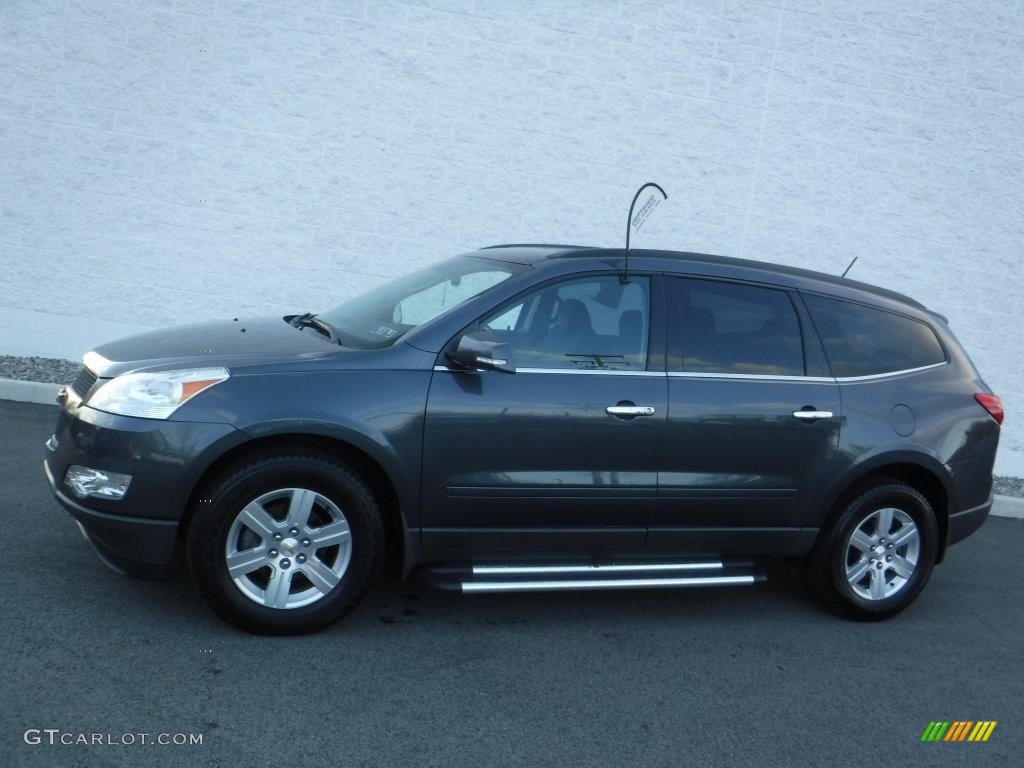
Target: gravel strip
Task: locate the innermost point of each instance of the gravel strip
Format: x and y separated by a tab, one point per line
58	371
45	369
1008	486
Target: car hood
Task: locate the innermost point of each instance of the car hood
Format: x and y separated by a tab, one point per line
218	343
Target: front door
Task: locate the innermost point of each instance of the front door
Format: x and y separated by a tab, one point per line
564	451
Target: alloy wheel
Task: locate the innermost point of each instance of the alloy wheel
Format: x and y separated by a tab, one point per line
882	554
288	548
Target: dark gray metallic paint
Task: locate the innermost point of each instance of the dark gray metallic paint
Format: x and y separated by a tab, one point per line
722	466
537	450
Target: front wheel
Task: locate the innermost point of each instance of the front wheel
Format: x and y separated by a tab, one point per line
285	544
875	557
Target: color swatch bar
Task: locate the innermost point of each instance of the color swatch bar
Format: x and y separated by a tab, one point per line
958	730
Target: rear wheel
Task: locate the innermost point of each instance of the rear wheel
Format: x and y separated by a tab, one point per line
285	544
876	555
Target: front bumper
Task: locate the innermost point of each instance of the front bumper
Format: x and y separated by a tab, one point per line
136	535
131	546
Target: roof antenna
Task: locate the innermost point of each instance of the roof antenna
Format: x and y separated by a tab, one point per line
851	266
635	222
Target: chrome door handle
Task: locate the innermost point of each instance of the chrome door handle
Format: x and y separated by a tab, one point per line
811	415
629	410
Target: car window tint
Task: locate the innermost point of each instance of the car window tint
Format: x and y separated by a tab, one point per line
740	329
586	323
864	341
507	320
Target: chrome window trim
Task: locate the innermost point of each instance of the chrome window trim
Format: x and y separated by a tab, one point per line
560	371
751	377
696	375
814	379
887	374
591	371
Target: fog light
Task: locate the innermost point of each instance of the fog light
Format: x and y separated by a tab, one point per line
93	482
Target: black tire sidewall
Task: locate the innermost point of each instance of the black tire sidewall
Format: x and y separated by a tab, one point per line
908	500
212	520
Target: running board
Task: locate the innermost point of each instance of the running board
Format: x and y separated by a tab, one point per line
535	577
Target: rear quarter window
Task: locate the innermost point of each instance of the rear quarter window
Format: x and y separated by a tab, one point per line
865	341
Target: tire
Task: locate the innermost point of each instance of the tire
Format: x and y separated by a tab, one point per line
286	543
875	556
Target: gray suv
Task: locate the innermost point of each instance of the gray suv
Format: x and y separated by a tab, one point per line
532	417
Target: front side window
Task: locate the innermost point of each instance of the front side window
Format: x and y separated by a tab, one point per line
589	323
739	329
865	341
383	315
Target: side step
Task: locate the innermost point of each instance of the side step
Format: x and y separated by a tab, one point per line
534	577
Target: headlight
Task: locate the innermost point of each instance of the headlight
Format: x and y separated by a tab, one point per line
154	395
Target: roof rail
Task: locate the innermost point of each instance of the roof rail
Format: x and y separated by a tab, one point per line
535	245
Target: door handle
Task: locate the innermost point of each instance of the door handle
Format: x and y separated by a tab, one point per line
812	415
630	410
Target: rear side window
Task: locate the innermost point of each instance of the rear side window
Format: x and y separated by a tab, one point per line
739	329
865	341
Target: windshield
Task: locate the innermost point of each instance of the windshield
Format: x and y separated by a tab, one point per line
383	315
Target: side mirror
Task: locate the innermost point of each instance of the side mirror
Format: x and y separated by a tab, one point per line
481	350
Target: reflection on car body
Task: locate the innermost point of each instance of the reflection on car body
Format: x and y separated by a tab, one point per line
530	418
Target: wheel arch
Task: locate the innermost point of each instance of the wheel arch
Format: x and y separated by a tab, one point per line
927	475
369	468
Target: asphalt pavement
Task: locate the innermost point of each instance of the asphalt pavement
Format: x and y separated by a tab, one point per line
730	677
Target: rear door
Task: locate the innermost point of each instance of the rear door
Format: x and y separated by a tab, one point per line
563	452
754	419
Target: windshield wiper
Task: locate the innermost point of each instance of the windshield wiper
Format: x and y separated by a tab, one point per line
310	320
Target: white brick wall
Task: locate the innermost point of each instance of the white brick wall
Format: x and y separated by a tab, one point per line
342	141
